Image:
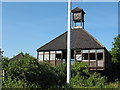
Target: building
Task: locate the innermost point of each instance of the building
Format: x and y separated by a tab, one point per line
84	47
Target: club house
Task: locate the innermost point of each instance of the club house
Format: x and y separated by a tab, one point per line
84	47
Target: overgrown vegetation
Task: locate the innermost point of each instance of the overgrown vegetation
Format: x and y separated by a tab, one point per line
82	78
27	72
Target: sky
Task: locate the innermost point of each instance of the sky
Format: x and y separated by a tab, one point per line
26	26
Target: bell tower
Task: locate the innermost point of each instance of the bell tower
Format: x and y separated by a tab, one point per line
78	17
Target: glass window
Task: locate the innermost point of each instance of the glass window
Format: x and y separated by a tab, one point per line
41	57
92	56
72	61
46	56
58	51
40	52
78	57
99	56
100	50
85	56
58	56
91	51
47	52
84	51
100	63
64	60
52	56
52	51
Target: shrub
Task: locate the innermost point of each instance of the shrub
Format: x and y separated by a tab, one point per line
82	78
61	72
29	73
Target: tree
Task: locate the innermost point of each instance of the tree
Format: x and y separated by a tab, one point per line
115	51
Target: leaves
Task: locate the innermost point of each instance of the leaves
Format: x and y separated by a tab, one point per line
115	51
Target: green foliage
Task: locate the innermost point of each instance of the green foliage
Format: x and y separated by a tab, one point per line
61	72
80	68
96	80
115	51
82	78
5	62
27	72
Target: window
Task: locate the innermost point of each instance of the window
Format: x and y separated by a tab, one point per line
85	56
52	56
84	51
92	51
58	51
78	57
64	60
72	61
99	56
46	56
100	50
41	57
58	56
92	56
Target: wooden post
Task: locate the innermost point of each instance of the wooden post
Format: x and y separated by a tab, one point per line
43	56
62	57
103	59
49	56
89	58
81	56
96	58
74	56
55	58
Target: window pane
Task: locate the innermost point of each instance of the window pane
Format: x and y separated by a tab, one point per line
92	56
47	52
72	61
58	56
40	52
78	57
100	50
64	60
58	51
100	63
85	56
46	57
92	51
99	56
52	56
41	57
85	51
52	51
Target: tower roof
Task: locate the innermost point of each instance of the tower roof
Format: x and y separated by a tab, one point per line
77	9
80	39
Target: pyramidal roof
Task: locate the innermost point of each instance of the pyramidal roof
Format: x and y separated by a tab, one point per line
80	39
77	9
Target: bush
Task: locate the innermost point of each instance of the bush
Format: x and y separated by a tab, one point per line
27	72
61	71
82	78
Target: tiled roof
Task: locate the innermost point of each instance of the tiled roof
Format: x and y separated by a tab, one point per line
80	39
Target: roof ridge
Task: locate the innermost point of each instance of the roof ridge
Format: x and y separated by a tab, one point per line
93	38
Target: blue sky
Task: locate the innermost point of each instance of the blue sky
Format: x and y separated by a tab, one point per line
27	26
